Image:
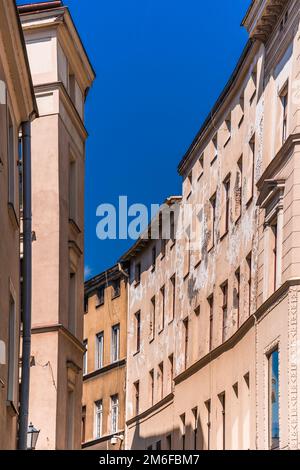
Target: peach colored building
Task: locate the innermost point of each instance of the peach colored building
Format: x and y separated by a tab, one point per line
104	381
216	365
17	106
62	76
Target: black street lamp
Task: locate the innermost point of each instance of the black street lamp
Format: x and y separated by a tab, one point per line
32	437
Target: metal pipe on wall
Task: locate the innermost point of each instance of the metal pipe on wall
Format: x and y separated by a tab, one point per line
26	287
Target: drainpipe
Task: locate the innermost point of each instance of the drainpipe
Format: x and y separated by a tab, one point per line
27	282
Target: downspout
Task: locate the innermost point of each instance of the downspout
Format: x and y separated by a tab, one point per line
26	287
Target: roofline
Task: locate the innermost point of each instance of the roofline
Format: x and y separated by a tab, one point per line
35	110
96	281
35	8
247	13
143	242
217	105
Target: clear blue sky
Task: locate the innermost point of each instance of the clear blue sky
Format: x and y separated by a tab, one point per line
160	65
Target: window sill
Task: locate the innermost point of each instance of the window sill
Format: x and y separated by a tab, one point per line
214	160
189	196
238	219
241	122
136	353
186	276
198	264
151	340
227	142
173	244
12	410
116	296
200	176
224	235
161	331
100	305
137	283
170	322
248	204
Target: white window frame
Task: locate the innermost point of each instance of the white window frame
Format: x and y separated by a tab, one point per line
99	359
98	419
115	347
114	414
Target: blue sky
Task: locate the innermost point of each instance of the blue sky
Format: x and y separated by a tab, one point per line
160	65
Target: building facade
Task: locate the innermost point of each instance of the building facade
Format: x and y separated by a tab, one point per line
17	106
213	318
105	334
62	75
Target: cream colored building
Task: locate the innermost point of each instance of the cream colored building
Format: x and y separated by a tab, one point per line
62	76
104	381
222	370
17	106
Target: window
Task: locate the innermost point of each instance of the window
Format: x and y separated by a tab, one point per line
162	235
138	331
250	176
85	357
213	204
98	419
238	190
189	185
274	399
153	258
223	410
158	445
72	190
100	296
200	166
215	149
161	380
11	162
152	319
253	85
241	110
116	288
171	372
86	304
72	82
115	343
83	424
195	414
208	407
187	253
224	289
163	307
211	321
172	227
169	442
186	341
249	275
237	295
227	130
226	214
114	413
72	303
136	388
284	97
99	350
173	296
12	354
138	270
151	387
183	430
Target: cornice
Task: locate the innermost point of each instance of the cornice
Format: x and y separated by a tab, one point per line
262	17
58	328
167	401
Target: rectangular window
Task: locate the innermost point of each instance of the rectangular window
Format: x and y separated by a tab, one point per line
138	331
115	343
161	381
208	407
226	214
189	185
114	411
163	307
98	419
223	410
284	97
186	342
215	149
183	430
200	166
158	445
72	303
11	163
249	275
116	288
154	258
250	175
169	442
100	296
138	271
151	387
85	357
211	321
173	296
136	388
238	189
224	289
227	130
83	424
213	204
171	372
253	85
195	414
274	400
172	227
237	295
12	354
241	110
152	318
99	350
72	190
